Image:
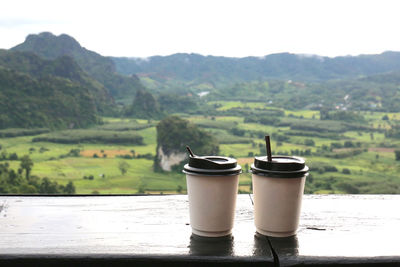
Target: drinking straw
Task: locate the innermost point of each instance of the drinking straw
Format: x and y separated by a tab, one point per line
190	151
268	146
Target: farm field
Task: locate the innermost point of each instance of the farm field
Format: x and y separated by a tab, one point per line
343	158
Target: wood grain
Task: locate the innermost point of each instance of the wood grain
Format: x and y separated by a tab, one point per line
341	228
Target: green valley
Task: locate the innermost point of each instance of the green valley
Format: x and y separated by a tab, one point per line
356	160
73	121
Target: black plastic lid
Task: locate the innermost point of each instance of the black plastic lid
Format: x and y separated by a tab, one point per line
212	165
280	166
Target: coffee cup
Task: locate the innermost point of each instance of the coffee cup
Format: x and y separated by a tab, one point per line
212	186
278	186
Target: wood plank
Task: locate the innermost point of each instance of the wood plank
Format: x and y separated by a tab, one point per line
332	227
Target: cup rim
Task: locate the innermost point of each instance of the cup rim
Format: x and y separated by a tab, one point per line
279	174
208	172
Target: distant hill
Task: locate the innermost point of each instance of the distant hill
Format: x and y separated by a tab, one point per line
144	106
64	67
378	92
196	70
98	67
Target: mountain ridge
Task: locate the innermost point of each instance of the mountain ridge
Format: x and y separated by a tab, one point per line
51	102
283	66
64	67
100	68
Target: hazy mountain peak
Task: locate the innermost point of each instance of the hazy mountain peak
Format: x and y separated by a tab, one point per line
50	46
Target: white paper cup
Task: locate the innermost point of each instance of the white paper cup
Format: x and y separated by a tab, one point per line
212	196
212	202
278	193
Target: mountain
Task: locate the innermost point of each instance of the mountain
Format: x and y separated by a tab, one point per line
144	106
63	67
100	68
48	101
195	69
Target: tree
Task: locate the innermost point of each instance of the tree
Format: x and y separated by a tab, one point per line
309	142
26	164
346	171
123	167
397	154
348	144
246	167
174	134
141	189
323	114
69	188
13	182
13	156
48	187
348	188
27	189
238	132
179	189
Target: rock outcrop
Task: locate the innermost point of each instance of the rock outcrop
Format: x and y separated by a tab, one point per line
167	161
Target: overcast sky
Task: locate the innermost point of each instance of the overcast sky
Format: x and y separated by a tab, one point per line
209	27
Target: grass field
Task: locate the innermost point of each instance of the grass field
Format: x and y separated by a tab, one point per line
374	170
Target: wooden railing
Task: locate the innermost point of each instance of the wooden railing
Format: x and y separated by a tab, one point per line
155	230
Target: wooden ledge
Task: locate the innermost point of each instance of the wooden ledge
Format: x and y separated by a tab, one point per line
142	230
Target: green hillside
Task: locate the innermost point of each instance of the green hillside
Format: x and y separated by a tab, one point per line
100	68
64	67
53	102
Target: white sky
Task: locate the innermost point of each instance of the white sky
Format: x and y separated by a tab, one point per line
209	27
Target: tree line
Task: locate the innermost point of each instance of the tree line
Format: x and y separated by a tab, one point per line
22	182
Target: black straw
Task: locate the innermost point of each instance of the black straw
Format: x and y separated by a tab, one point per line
190	151
268	145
